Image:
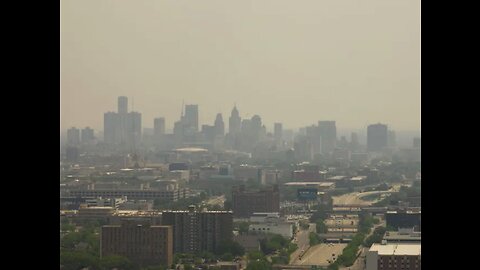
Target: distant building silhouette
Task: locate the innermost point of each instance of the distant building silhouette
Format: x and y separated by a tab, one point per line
87	135
73	136
377	137
354	142
328	136
122	127
234	122
191	118
219	125
158	127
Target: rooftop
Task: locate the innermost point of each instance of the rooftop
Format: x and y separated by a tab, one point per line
321	184
338	177
358	178
397	249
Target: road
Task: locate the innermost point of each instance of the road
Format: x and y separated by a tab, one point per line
355	198
360	263
321	254
303	242
217	200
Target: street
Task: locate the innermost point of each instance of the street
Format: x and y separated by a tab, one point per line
303	243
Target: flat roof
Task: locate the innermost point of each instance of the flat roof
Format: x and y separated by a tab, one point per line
191	149
322	184
397	249
338	177
358	178
402	236
404	212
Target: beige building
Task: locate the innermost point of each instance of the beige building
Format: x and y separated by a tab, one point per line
394	256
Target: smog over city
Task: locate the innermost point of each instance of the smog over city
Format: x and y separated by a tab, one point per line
240	134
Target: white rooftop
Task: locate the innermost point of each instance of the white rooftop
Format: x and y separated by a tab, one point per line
397	249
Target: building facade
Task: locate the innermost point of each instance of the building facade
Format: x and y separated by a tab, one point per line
394	256
377	137
245	203
158	127
197	231
73	136
144	244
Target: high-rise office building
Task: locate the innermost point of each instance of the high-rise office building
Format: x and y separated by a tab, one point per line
377	137
234	122
142	243
303	148
328	136
197	231
208	133
110	128
122	105
354	142
133	128
73	136
313	136
87	135
191	118
124	127
245	203
158	127
277	131
219	125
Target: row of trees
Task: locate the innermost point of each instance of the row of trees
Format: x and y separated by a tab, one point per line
349	254
376	237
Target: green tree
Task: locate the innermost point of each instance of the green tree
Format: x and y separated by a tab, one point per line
259	265
314	239
255	255
227	257
232	247
78	260
320	226
243	227
119	262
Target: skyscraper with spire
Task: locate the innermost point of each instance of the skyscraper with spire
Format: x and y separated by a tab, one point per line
219	125
234	122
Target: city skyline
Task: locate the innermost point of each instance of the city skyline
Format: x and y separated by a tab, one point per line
289	63
186	113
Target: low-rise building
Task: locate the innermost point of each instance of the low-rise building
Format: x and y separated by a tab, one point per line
403	235
394	256
270	223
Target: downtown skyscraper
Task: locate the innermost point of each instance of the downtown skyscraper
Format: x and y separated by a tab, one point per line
122	127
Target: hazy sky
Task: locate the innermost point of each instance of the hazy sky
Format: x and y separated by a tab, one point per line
297	62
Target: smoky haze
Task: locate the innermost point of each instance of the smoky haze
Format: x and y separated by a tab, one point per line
295	62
